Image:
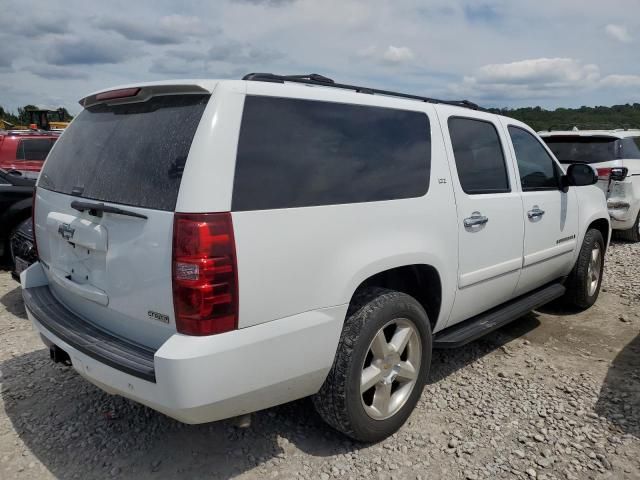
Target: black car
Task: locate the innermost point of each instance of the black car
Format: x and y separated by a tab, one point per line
16	199
23	248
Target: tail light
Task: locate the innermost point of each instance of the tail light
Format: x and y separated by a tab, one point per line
33	220
205	274
619	173
604	173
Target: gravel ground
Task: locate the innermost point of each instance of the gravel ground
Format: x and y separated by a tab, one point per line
554	395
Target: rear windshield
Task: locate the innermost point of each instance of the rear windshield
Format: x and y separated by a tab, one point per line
630	147
575	149
34	148
131	154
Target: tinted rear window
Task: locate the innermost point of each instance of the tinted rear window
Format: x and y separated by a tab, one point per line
630	147
300	153
34	148
575	149
130	154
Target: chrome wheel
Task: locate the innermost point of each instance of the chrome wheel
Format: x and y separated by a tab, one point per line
390	369
594	269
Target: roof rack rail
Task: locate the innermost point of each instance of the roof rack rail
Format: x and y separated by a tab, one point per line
317	79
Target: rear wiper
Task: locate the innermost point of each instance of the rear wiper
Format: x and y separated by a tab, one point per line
97	209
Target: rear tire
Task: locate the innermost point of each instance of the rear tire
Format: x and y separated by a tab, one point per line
380	368
584	281
632	234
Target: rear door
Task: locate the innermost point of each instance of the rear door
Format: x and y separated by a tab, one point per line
489	210
114	269
550	215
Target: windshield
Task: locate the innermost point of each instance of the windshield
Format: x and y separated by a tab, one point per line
576	149
131	154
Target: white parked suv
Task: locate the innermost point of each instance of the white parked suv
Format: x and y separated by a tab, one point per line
616	156
212	248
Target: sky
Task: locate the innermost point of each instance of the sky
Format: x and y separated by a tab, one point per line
498	53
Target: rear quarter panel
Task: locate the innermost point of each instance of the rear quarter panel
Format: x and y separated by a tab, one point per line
302	259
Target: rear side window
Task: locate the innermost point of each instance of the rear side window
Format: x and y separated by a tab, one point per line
132	154
301	153
630	147
578	149
478	155
34	148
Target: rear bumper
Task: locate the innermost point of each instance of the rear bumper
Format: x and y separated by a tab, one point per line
623	204
195	379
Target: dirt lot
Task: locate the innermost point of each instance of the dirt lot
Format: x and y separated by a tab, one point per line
555	395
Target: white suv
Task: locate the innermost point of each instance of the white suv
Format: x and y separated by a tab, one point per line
212	248
616	156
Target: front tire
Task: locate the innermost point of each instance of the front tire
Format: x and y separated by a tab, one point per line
584	281
380	368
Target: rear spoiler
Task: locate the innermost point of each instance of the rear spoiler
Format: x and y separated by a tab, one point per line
139	94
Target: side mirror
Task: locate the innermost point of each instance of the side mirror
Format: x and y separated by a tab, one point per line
578	175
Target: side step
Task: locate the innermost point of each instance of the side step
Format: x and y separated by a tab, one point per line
474	328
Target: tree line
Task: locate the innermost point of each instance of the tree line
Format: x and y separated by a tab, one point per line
616	116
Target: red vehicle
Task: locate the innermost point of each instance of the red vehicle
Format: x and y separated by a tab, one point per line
25	151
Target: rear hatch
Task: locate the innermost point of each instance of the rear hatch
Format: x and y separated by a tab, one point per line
600	151
105	205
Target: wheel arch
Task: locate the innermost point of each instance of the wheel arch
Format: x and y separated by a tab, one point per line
421	281
602	225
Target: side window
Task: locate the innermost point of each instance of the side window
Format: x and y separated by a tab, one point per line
538	171
301	153
478	155
34	148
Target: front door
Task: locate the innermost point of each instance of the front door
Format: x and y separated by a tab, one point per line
550	215
489	209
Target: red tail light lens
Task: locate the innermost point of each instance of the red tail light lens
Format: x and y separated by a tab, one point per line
205	278
604	173
619	173
33	220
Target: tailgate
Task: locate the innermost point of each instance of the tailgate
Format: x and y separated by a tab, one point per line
104	211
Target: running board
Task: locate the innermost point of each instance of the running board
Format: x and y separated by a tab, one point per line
474	328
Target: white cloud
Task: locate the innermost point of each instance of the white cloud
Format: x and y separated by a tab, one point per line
545	71
618	32
397	54
184	24
391	55
540	78
622	81
534	78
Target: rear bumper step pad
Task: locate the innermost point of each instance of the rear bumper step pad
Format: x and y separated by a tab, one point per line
98	344
474	328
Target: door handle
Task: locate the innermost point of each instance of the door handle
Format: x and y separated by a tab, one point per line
535	212
475	220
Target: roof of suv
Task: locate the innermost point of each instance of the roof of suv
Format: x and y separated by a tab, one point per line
616	133
203	85
200	85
